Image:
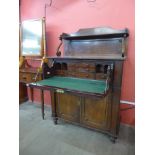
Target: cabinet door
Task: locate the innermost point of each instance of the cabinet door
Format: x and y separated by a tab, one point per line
96	113
68	107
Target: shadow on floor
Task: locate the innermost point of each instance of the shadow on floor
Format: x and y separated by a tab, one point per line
42	137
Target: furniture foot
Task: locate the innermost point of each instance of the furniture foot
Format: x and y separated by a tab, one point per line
113	139
42	104
43	116
55	121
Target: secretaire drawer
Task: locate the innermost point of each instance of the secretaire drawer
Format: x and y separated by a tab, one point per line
58	72
71	67
80	69
72	74
24	77
86	66
83	65
85	75
100	76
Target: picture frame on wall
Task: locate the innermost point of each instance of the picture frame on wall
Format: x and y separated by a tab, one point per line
32	37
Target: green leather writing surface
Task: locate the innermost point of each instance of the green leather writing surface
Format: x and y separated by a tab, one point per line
78	84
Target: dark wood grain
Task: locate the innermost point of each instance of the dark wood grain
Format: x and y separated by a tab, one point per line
68	106
94	113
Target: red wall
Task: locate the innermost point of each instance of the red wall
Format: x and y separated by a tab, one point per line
70	15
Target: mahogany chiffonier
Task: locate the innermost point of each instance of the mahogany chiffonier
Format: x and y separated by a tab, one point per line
85	82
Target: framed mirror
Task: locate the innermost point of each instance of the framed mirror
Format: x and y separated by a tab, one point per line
33	37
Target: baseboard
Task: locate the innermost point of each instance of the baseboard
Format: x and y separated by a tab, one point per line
127	102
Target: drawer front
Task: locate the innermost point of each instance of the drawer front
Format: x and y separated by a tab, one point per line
83	69
80	69
29	77
25	77
64	73
72	74
83	65
86	75
71	64
100	76
58	72
81	75
71	68
86	65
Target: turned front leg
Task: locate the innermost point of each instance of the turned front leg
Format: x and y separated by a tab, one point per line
31	93
42	103
53	106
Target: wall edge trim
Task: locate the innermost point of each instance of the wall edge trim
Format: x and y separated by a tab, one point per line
127	102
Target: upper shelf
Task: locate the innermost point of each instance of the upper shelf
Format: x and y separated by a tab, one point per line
100	43
95	33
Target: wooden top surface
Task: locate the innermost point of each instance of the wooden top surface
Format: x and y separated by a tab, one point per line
108	57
